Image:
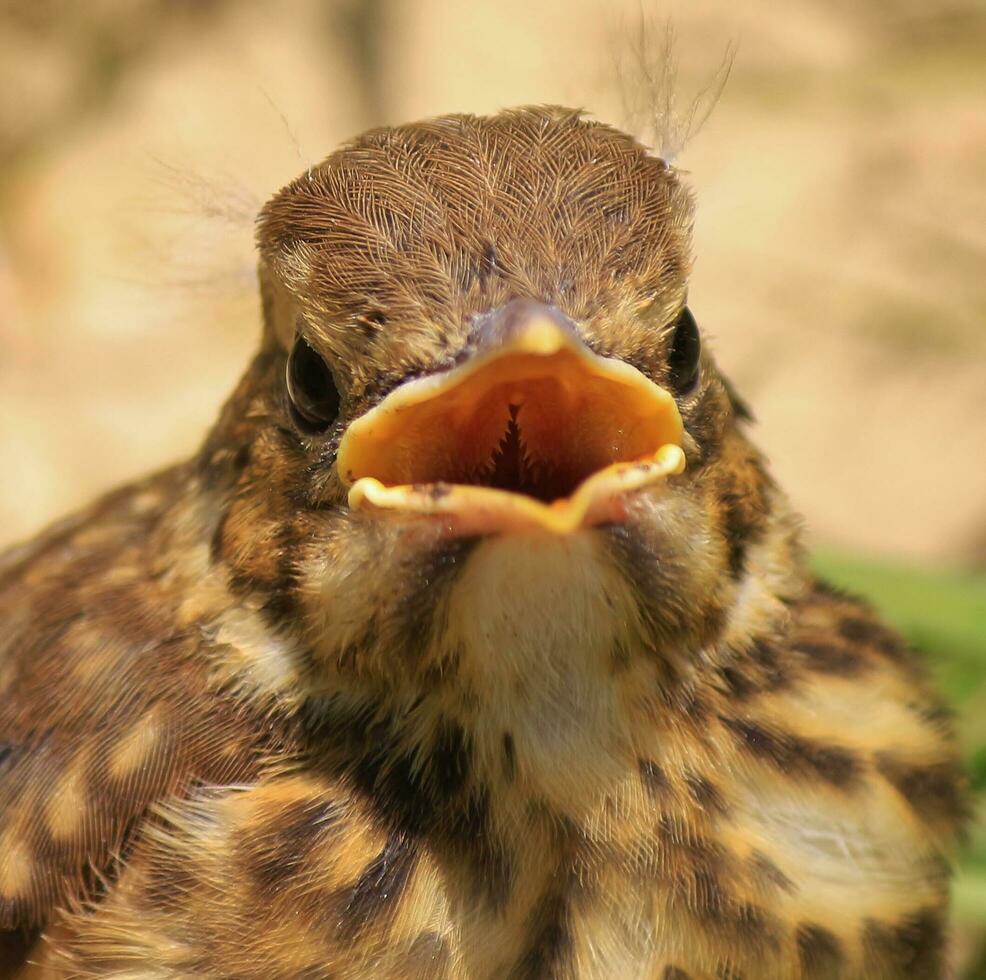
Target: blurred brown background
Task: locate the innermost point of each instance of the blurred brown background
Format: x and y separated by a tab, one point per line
840	238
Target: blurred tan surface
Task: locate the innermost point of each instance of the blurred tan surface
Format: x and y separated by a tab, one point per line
840	240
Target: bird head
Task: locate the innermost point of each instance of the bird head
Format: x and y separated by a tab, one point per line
484	439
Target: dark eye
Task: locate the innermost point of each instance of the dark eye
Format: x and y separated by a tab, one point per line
685	350
311	388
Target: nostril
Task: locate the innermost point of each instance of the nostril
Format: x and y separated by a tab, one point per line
503	324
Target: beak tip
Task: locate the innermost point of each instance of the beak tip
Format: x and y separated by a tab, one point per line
525	325
541	336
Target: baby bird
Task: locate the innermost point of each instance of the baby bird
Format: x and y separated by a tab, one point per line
477	641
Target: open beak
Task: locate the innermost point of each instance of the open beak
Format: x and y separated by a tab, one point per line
534	431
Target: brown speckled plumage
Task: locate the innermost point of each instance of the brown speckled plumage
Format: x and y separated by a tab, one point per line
246	732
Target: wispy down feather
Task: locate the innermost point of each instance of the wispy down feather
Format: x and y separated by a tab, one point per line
654	108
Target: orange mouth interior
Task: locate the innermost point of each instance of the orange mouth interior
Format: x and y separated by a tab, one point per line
537	433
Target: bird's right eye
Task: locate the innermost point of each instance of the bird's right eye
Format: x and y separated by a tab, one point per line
312	390
684	356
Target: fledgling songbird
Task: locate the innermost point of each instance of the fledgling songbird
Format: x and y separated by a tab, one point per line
477	641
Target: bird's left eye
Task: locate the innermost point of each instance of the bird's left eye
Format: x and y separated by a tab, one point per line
311	388
686	348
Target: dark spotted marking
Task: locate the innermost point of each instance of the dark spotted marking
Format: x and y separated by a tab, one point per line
769	660
768	873
412	795
700	868
822	592
756	926
652	776
278	591
819	952
760	668
738	684
465	830
241	458
451	758
365	639
830	658
674	973
702	425
14	948
709	899
933	791
675	833
275	852
738	529
938	716
912	948
217	541
489	265
745	512
281	603
380	887
619	657
873	634
857	629
653	575
418	612
550	940
705	793
14	909
795	755
686	700
373	319
509	757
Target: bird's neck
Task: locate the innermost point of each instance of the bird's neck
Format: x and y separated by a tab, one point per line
559	708
547	632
